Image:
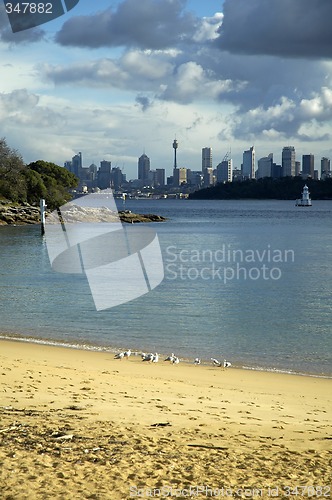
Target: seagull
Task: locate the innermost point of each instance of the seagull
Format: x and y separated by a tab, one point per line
227	364
197	361
120	355
170	358
155	358
215	362
148	357
127	353
175	360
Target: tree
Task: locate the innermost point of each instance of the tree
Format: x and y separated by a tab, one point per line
36	188
40	179
12	182
56	180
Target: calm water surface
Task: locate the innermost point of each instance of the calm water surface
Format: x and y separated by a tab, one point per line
250	281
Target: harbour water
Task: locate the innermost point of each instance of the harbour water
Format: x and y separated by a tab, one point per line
248	281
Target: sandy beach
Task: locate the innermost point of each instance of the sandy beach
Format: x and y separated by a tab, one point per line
81	424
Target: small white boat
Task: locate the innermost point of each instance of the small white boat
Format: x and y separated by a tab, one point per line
305	200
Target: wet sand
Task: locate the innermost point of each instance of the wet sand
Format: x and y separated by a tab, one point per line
79	424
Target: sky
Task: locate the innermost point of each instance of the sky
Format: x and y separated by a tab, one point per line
118	78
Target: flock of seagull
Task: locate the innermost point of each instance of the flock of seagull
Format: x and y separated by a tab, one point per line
154	358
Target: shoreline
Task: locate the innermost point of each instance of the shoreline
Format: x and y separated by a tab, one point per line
82	424
16	214
90	347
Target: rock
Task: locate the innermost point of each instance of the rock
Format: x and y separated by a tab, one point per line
7	218
129	217
28	214
18	214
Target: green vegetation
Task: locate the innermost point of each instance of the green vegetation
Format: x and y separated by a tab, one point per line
286	188
21	183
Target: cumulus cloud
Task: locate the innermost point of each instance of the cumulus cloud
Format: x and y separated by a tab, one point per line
302	119
191	81
319	106
162	74
150	24
99	73
208	28
200	75
21	108
135	70
286	28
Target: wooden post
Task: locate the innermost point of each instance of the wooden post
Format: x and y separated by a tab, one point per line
42	215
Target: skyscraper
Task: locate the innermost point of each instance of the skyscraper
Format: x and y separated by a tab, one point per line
308	166
179	176
265	167
288	161
325	164
208	177
225	171
248	165
117	178
206	158
104	174
77	164
160	177
143	167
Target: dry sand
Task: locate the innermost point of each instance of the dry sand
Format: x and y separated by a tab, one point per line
78	425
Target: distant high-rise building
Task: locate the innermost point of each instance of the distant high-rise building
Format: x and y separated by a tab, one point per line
77	164
237	174
225	171
160	177
325	164
264	167
143	167
152	178
208	179
68	166
276	171
308	166
297	168
248	165
104	175
117	178
288	161
93	171
195	178
179	176
206	158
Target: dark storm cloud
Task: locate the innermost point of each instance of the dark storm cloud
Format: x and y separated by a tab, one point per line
153	24
286	28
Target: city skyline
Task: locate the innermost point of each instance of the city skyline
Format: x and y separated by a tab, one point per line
128	76
144	162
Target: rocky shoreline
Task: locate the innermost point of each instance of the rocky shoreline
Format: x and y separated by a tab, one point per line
13	214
